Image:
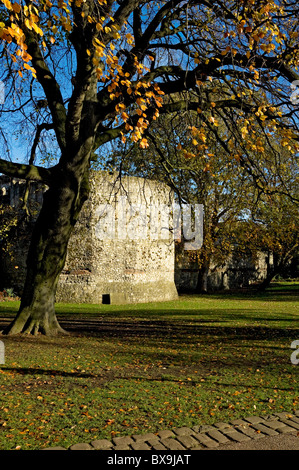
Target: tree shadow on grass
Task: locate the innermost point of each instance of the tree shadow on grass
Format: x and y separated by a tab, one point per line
183	324
104	379
177	329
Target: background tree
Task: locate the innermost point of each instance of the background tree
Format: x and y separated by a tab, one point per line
87	72
276	224
231	194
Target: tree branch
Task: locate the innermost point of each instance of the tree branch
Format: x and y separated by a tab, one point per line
50	87
26	172
39	130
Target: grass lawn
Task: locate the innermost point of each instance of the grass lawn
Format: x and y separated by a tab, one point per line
141	368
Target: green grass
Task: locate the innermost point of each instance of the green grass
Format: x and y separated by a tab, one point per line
141	368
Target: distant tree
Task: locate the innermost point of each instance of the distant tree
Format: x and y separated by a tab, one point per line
230	192
277	226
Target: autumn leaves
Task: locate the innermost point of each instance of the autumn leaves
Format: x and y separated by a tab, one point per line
137	51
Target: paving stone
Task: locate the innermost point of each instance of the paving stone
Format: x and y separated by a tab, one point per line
264	429
144	437
184	431
206	428
55	448
274	424
240	422
140	446
236	435
246	429
290	423
122	441
165	434
196	429
218	436
206	440
284	415
121	447
295	419
287	430
254	419
280	426
81	446
200	436
187	441
156	445
102	444
221	425
270	417
172	444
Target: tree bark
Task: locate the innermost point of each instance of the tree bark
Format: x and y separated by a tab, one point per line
46	257
267	281
272	271
202	279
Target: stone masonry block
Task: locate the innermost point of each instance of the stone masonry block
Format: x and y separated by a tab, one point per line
264	429
165	434
102	444
245	428
122	441
183	431
187	441
81	446
122	447
221	425
172	444
236	436
254	419
218	436
206	440
144	437
290	424
156	445
140	446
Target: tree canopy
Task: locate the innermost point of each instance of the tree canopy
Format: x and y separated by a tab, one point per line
133	53
79	74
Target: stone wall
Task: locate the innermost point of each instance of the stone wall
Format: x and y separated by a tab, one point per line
13	257
115	269
102	267
237	272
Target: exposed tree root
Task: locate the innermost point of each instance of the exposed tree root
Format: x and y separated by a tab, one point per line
34	327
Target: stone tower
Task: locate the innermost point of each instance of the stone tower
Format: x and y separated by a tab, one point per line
122	248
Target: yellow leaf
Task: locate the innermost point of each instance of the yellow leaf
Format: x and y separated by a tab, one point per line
144	143
7	4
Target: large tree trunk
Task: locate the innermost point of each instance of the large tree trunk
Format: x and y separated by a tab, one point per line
46	257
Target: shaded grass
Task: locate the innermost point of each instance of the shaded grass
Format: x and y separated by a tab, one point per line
140	368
